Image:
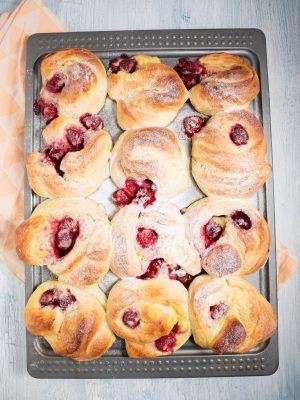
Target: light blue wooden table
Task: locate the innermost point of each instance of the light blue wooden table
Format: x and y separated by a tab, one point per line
280	20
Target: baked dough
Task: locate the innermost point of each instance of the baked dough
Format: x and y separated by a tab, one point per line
72	321
152	316
74	81
74	161
230	82
151	153
156	233
70	236
229	315
223	168
230	236
152	95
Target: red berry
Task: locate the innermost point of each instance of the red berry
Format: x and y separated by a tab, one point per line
193	124
131	318
239	135
218	311
212	232
146	237
242	220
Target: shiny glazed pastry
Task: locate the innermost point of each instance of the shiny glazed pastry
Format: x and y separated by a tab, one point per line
152	153
152	242
229	315
72	321
152	316
73	161
70	236
74	84
230	81
229	155
230	236
147	92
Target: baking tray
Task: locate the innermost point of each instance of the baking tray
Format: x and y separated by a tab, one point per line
169	45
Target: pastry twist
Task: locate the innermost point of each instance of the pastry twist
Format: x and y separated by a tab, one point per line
74	161
152	241
229	315
152	95
152	316
230	81
230	236
72	321
70	236
229	155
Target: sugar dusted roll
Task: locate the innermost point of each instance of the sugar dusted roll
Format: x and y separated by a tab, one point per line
229	315
74	84
71	237
73	160
229	155
149	154
229	81
147	92
152	316
152	242
72	321
230	236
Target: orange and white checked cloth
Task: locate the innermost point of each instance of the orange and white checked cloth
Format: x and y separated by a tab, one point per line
31	16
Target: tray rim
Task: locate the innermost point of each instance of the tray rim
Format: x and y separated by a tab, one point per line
262	363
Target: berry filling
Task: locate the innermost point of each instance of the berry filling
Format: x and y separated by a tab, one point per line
131	318
218	311
193	125
239	135
153	269
167	343
123	63
211	232
66	231
178	274
174	272
56	152
91	121
49	110
138	192
242	220
56	83
191	72
146	237
56	298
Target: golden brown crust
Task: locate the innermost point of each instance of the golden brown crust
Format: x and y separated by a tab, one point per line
231	81
151	153
83	171
152	95
238	251
79	331
85	81
222	168
129	259
89	259
160	304
247	319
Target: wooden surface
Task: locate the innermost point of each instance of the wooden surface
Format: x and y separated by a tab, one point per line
280	20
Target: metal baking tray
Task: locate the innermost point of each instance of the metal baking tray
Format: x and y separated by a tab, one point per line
169	45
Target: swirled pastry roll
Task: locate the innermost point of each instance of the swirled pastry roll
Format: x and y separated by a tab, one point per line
152	243
229	315
70	236
152	153
72	321
230	81
73	161
152	316
148	94
74	83
229	155
230	236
